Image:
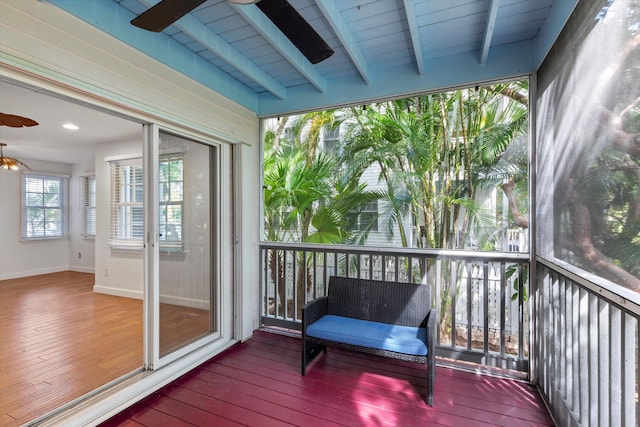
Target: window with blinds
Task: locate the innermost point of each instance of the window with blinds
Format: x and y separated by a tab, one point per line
365	219
88	203
44	206
127	209
171	201
331	140
127	203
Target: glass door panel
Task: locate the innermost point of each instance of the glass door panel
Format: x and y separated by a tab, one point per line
185	240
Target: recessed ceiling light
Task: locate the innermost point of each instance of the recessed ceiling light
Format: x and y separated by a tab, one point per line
70	126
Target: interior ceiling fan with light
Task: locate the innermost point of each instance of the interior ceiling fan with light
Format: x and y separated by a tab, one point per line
280	12
11	120
9	163
14	121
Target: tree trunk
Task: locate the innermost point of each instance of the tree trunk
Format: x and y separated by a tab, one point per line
518	219
584	247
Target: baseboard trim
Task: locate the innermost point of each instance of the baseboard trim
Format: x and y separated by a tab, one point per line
118	292
81	269
38	272
165	299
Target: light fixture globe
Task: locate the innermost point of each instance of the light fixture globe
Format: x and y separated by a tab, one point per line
9	163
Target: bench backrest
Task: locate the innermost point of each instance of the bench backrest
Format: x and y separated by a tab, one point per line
405	304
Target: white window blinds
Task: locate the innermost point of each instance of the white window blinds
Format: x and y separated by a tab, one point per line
44	206
171	201
127	208
88	203
127	212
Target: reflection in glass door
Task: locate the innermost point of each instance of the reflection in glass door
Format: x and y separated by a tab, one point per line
185	236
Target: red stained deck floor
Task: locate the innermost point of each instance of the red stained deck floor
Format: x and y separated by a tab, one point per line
258	383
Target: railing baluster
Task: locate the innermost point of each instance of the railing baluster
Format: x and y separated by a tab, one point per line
485	305
396	265
265	283
313	275
554	341
583	337
564	318
575	347
371	262
631	409
325	263
503	306
593	361
454	302
603	369
521	316
469	305
438	297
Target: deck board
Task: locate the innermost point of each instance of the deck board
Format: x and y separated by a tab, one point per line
259	383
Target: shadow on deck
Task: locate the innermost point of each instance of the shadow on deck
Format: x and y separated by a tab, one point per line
258	383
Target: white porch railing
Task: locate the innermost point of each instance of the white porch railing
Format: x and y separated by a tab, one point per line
587	339
482	297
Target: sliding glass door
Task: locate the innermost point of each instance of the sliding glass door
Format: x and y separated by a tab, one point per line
185	196
181	266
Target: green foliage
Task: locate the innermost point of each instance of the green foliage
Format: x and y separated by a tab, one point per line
511	271
437	154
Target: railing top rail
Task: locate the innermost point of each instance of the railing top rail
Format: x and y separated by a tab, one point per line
405	252
624	298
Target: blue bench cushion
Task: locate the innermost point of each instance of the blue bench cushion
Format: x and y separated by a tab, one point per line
365	333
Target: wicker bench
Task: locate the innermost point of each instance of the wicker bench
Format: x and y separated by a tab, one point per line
388	319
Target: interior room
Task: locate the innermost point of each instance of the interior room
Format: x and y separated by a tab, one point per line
49	295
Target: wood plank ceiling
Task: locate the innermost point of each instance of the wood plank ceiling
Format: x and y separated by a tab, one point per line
383	48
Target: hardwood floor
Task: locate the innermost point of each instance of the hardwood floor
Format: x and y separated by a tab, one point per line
61	340
181	325
258	383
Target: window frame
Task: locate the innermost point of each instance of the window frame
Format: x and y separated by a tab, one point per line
61	206
123	236
88	206
162	220
331	139
365	218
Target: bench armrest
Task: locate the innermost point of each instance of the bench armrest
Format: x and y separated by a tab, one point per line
313	311
430	325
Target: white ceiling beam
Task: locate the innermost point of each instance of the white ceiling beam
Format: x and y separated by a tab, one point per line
415	34
282	44
488	30
340	28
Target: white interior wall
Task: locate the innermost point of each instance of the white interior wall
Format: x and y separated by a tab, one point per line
29	258
118	272
81	249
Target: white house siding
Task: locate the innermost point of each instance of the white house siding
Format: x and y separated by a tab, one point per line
382	237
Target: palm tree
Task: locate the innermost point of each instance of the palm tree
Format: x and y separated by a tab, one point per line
436	152
308	198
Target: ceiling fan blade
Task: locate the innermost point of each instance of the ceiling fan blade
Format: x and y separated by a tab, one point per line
294	26
14	121
165	13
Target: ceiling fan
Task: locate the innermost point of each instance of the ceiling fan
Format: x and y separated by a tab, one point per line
280	12
14	121
11	120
